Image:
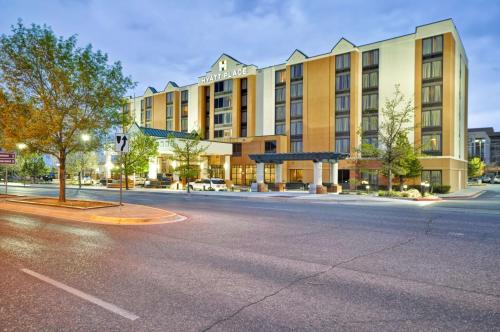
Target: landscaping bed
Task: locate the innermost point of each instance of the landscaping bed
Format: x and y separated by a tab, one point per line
70	203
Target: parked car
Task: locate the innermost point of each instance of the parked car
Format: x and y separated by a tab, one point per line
486	179
496	179
87	180
209	184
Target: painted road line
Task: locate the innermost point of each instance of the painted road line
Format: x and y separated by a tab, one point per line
82	295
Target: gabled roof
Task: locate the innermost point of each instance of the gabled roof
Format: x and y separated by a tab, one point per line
342	45
297	54
161	133
227	56
150	90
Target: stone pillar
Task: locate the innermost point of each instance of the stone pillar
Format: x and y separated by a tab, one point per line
260	186
227	168
280	186
153	168
204	168
334	178
317	186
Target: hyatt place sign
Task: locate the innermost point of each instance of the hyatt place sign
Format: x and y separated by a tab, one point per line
223	75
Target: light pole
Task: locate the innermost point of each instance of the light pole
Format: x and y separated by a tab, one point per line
21	147
85	138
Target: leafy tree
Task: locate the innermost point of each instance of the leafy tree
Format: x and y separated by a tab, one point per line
79	162
141	149
397	114
475	167
33	165
187	153
407	164
52	92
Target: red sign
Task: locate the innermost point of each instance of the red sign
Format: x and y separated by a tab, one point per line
7	161
7	155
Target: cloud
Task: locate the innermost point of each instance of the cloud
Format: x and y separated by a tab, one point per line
158	40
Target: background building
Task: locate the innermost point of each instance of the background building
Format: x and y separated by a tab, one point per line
319	104
484	143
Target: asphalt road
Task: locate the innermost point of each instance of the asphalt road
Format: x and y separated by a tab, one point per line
240	264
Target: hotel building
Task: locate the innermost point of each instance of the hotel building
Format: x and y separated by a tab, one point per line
324	103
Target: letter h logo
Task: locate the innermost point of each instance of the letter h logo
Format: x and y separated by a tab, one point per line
222	65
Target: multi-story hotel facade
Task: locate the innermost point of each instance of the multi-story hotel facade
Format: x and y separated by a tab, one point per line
325	103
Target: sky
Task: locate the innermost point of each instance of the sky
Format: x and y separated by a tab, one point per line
161	40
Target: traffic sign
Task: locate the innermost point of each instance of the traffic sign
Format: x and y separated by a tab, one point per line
7	161
121	143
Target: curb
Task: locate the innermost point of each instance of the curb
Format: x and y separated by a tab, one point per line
476	195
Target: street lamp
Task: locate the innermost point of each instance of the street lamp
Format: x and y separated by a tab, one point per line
21	147
85	138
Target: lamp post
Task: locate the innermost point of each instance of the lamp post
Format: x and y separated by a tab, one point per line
21	147
85	138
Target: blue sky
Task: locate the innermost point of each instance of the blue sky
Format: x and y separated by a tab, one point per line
158	41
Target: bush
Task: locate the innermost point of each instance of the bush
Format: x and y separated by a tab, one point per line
440	189
412	193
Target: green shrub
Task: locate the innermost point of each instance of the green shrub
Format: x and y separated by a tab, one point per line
440	189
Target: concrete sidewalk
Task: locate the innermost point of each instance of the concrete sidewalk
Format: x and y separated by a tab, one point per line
127	214
470	192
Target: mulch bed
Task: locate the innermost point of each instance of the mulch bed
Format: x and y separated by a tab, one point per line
70	203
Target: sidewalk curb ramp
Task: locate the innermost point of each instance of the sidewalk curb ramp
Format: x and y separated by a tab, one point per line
475	195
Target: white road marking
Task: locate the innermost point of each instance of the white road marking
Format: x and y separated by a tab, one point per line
82	295
456	234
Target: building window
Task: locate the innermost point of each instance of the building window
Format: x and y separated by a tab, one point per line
296	127
236	174
342	145
280	112
431	118
342	82
244	84
148	102
431	143
370	58
184	96
296	146
280	77
432	94
432	69
269	172
369	123
279	129
222	102
223	86
250	175
296	109
371	140
343	61
280	94
433	177
296	71
296	90
218	133
170	97
295	175
370	80
236	149
433	45
369	177
342	124
370	102
222	118
342	103
270	146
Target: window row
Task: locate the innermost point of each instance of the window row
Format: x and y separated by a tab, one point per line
296	71
342	103
223	86
170	97
220	133
342	124
432	69
280	95
279	113
296	146
432	45
296	109
370	58
222	102
431	143
370	80
432	94
432	177
184	96
431	118
342	82
296	127
222	118
280	77
369	123
343	61
370	102
296	89
342	145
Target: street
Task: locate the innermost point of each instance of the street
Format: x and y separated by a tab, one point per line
250	264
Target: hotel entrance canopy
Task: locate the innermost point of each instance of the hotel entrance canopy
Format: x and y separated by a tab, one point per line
279	158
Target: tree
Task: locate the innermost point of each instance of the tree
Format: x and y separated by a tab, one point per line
53	91
187	153
407	165
397	114
475	167
141	149
33	165
79	162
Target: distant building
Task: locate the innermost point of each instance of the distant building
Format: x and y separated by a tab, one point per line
485	144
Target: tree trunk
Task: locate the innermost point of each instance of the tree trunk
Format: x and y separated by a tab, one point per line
62	176
389	187
80	180
125	171
401	179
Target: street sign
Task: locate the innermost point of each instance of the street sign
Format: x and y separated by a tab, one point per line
121	143
7	161
7	155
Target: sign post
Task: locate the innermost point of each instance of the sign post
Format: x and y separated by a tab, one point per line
7	158
122	146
